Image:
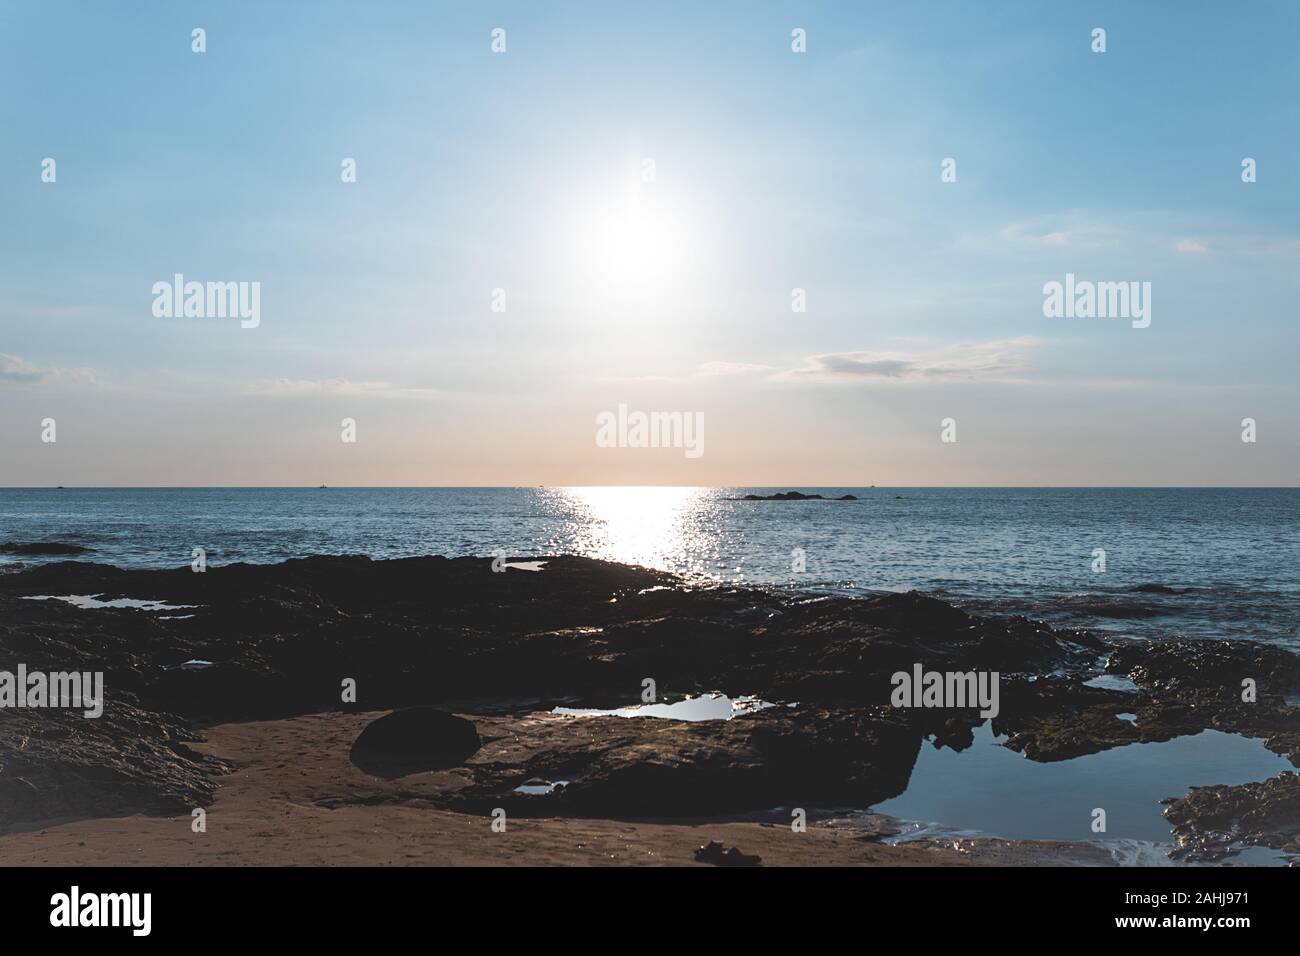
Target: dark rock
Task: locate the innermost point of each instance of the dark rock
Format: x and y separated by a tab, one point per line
451	634
41	547
1059	718
793	496
56	764
1183	665
1213	822
713	852
658	768
415	739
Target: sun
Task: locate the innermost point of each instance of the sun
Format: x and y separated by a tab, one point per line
634	239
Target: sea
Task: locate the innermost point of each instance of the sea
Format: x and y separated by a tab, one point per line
1135	563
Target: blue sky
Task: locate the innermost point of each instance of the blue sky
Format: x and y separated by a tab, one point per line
773	171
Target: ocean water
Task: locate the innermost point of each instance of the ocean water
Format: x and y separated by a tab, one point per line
1192	562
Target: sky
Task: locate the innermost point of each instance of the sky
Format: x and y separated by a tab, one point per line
616	210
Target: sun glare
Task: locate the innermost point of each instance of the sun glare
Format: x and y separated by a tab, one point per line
636	239
655	527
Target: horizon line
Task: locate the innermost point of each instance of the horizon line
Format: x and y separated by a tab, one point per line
702	487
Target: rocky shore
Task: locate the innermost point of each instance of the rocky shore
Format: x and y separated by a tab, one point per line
501	650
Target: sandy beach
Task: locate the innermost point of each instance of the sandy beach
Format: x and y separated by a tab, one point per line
294	798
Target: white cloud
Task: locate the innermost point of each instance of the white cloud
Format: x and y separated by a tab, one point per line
1078	232
298	387
14	369
305	386
970	361
18	371
1191	245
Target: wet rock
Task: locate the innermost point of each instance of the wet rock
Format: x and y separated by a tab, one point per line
433	630
1157	589
1052	719
41	547
451	634
1060	718
1213	822
1179	666
56	764
1197	685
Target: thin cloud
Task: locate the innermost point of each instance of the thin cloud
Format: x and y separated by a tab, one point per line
18	371
14	369
314	386
971	361
1076	234
298	387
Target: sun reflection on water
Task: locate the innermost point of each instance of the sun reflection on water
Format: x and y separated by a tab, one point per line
655	527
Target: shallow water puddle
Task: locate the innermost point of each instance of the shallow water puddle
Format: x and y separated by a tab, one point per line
704	707
1113	682
541	789
992	791
525	565
90	601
